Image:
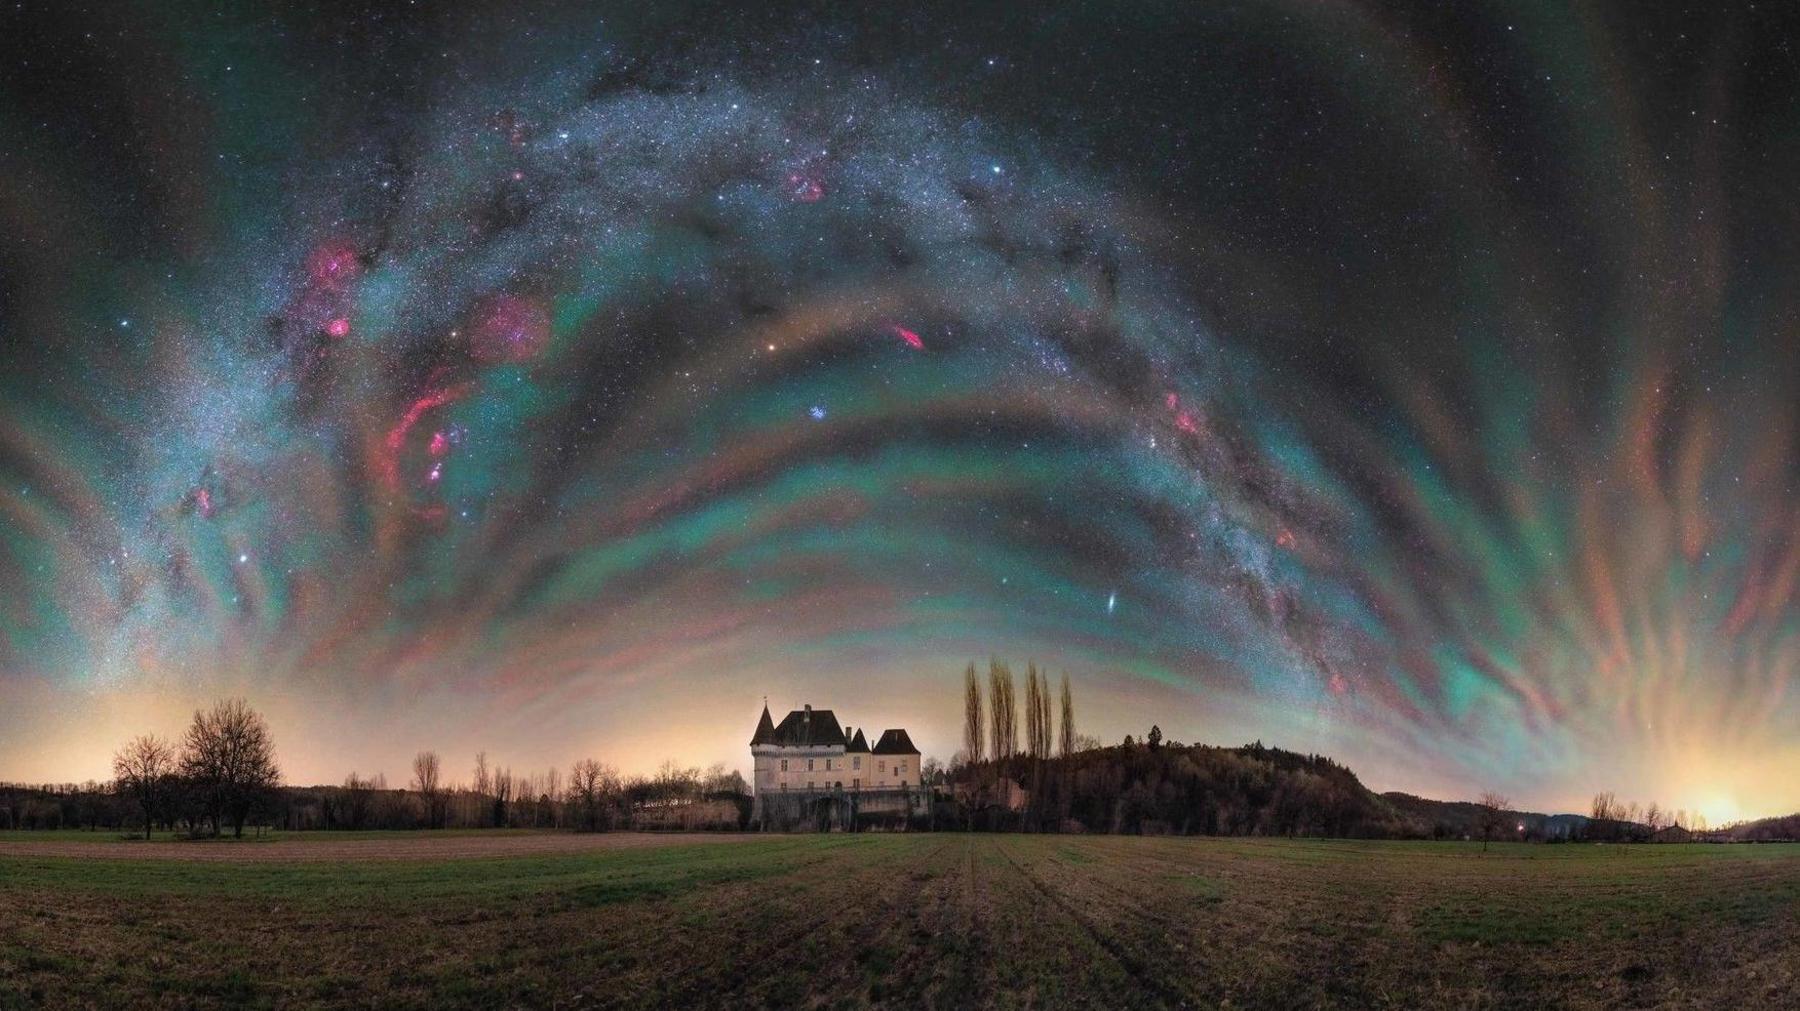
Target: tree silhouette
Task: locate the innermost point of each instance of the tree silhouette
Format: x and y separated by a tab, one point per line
425	781
1067	743
229	760
143	769
1492	816
972	749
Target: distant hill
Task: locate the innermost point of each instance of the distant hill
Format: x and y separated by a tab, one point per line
1204	790
1783	829
1449	819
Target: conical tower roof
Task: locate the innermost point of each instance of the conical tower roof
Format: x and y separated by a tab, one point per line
765	728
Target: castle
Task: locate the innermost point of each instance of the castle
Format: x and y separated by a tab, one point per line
809	751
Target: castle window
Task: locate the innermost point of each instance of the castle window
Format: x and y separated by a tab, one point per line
784	765
809	766
856	763
881	766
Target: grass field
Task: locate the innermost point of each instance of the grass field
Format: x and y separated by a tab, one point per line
900	920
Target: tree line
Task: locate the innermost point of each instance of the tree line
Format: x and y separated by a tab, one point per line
1028	771
1612	820
223	774
1073	783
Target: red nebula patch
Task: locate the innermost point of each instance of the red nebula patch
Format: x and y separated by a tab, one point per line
333	265
804	188
339	327
389	460
912	339
1184	420
511	329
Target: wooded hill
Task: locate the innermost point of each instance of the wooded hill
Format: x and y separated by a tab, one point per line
1155	787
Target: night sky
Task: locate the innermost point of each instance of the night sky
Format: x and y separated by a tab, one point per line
1411	383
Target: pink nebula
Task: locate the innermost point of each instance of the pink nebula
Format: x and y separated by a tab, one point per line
804	188
338	327
510	329
912	339
389	460
333	265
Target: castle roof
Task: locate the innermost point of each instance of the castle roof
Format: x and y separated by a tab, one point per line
858	743
765	728
895	742
801	728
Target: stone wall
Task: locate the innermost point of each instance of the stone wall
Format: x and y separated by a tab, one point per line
840	810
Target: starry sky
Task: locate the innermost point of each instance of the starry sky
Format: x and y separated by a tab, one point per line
1408	382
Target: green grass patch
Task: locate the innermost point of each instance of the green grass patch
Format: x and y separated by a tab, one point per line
1197	887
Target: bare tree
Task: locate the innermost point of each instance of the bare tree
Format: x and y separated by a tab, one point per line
143	769
553	791
1491	817
229	758
1068	718
356	800
1005	725
590	785
1035	745
971	716
1045	741
481	775
425	781
1604	807
503	791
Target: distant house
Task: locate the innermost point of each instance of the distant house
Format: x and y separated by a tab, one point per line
1674	833
809	751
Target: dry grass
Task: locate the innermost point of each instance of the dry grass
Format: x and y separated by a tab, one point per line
899	921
